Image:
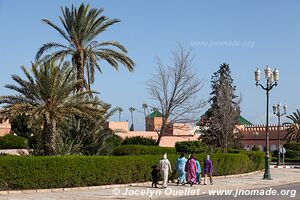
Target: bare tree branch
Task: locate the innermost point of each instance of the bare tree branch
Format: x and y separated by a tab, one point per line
175	89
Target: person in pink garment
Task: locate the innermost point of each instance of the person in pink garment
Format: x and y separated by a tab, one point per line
191	170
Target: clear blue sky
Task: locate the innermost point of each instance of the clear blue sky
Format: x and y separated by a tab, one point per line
245	34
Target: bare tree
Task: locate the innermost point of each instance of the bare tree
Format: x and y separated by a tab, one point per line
175	89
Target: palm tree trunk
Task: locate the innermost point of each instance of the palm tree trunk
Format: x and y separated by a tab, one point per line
49	136
79	61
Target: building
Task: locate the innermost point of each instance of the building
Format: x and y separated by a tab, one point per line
255	135
176	132
5	128
252	135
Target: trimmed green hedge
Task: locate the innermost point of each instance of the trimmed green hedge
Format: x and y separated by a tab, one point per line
292	154
136	150
292	146
75	171
256	158
293	160
138	140
191	147
11	141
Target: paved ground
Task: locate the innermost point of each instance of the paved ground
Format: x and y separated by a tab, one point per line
291	188
142	191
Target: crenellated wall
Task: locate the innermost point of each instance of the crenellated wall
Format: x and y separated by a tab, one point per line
255	135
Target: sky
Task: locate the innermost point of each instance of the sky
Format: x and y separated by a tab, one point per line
245	34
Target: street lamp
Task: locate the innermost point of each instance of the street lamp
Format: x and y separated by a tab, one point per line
277	112
272	77
131	109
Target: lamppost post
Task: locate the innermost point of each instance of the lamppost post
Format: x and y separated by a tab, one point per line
272	78
277	112
131	109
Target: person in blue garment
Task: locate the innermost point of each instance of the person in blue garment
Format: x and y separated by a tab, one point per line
198	175
180	168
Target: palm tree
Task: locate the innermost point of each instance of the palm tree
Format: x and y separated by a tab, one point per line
146	111
119	109
47	96
293	133
80	28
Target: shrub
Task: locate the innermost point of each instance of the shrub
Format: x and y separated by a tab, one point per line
109	145
292	154
138	140
142	150
255	148
292	146
256	158
230	150
297	160
191	147
78	171
11	141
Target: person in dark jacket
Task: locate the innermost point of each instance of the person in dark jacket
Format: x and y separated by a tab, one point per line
154	175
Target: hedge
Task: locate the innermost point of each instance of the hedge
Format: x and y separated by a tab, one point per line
257	159
138	140
191	147
292	154
77	171
136	150
293	160
292	146
11	141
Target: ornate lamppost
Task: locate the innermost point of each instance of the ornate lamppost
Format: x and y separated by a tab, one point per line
272	77
119	109
277	112
131	109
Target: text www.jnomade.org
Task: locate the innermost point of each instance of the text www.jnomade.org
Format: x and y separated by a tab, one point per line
195	192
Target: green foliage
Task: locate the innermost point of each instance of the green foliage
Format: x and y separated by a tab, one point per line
19	126
293	133
292	146
190	147
80	28
82	136
78	171
231	150
296	160
292	154
223	115
47	97
255	148
138	140
109	145
11	141
256	158
137	150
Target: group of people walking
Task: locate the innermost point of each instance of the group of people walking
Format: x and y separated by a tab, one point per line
188	170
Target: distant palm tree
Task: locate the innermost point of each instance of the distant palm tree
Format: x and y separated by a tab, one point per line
80	28
47	96
146	111
119	109
293	133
